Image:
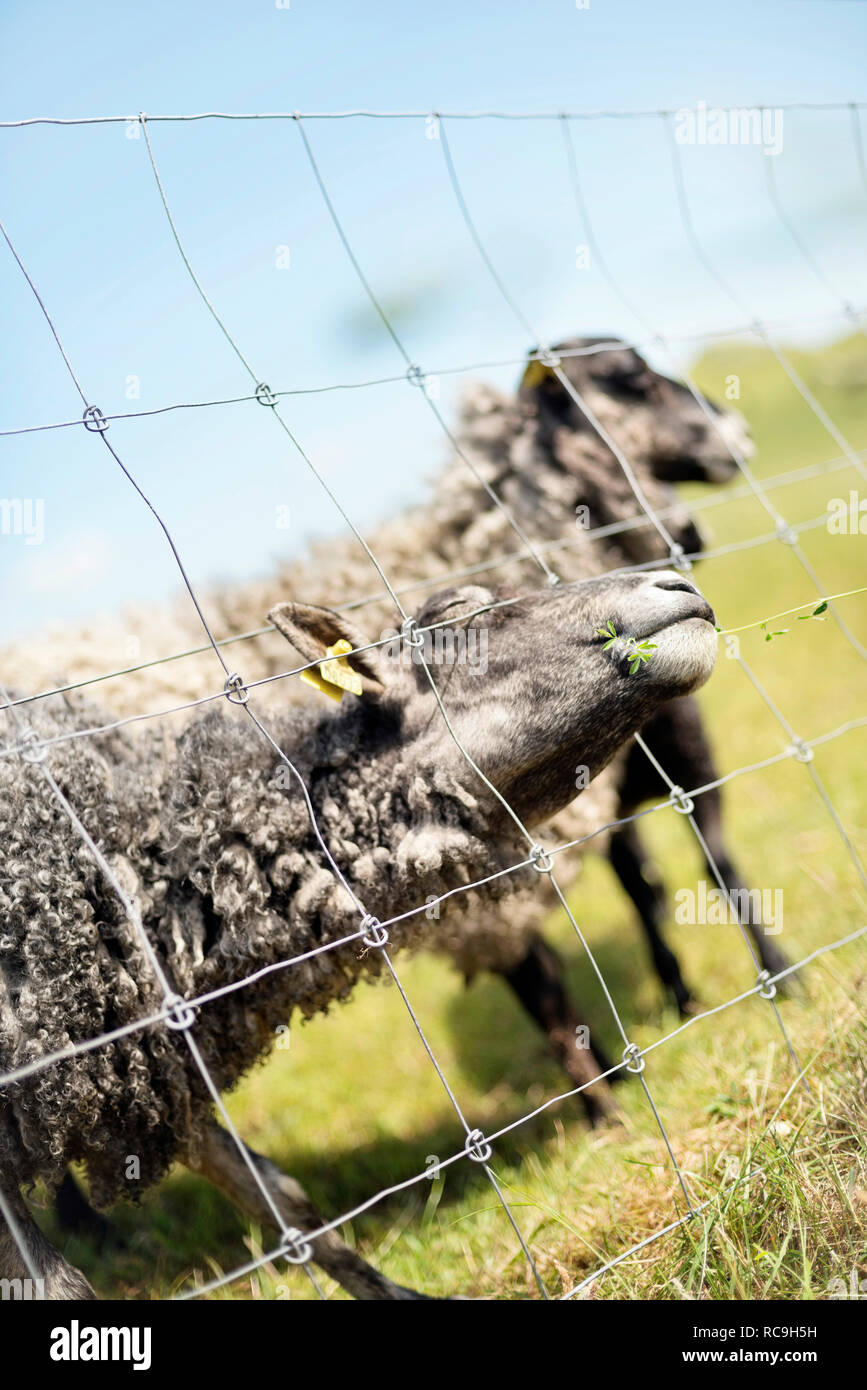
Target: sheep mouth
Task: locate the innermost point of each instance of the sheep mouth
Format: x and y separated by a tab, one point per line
698	610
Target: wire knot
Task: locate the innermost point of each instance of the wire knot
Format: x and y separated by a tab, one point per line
294	1247
375	932
477	1147
678	558
541	859
94	420
235	689
411	634
786	533
264	394
549	359
31	748
800	751
414	375
177	1013
633	1058
553	579
767	990
681	802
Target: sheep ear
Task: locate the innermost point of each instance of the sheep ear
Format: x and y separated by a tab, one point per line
313	630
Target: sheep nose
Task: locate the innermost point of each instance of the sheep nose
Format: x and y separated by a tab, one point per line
674	582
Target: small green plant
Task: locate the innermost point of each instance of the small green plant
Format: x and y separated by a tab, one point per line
803	618
636	651
816	613
770	633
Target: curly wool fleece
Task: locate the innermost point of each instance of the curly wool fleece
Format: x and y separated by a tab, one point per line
457	528
538	472
215	848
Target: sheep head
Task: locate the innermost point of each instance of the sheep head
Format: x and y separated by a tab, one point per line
536	693
667	436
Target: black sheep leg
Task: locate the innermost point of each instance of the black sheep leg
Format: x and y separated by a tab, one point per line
676	736
75	1214
642	882
538	983
708	817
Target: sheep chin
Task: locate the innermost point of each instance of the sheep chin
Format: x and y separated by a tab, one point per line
685	655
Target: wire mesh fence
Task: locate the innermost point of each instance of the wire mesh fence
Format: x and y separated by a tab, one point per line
371	933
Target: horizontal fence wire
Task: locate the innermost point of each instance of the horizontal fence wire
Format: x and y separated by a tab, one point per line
721	497
591	114
30	746
640	344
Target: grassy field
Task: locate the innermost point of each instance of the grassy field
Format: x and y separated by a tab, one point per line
355	1105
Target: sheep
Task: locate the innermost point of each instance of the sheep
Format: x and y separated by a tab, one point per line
545	459
541	456
222	859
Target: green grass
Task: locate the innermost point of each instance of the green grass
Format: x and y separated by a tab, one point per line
355	1104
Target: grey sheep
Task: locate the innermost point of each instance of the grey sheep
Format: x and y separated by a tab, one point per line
545	461
224	872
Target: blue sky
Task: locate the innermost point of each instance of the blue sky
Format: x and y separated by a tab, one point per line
81	205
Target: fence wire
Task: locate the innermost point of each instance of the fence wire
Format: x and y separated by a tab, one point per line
594	114
181	1012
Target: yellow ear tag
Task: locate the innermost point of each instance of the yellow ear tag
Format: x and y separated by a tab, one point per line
535	373
335	674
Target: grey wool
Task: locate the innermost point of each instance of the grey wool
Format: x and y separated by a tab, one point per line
214	843
208	827
556	478
217	850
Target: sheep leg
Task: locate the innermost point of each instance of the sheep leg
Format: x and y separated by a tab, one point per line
75	1214
57	1278
538	983
708	816
220	1161
640	878
676	735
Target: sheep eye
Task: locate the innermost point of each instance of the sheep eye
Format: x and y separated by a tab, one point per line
455	603
630	384
471	608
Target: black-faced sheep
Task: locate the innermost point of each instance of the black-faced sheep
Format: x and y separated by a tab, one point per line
224	870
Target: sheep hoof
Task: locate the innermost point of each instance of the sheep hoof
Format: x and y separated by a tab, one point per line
600	1107
774	961
606	1119
690	1008
792	987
